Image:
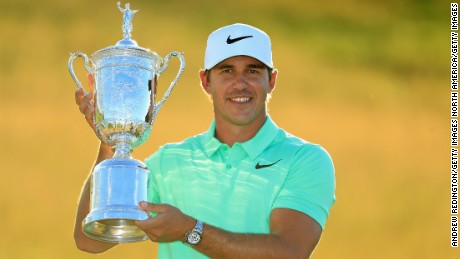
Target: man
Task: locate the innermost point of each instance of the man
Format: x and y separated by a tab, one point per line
243	189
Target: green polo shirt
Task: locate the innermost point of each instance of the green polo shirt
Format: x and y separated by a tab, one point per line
235	188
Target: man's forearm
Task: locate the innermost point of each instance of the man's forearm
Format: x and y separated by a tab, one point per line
83	242
293	234
217	243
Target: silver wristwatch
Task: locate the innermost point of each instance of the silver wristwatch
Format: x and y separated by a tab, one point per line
193	237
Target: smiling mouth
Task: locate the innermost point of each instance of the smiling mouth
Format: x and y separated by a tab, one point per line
240	99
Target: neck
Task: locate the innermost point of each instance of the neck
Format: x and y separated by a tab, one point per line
229	133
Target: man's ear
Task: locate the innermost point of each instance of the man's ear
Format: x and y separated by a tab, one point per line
204	81
272	82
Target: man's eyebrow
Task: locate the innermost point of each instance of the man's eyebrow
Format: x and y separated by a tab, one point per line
224	66
227	66
256	66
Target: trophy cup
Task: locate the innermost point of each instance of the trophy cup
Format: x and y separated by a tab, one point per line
125	109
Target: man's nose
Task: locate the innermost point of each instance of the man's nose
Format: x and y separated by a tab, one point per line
241	81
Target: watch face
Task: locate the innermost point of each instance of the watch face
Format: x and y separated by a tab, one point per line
193	238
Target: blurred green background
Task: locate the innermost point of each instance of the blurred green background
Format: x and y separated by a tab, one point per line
369	80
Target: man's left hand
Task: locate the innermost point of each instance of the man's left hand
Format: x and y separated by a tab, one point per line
169	224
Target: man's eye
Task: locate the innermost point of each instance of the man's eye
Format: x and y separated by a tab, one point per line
253	71
227	70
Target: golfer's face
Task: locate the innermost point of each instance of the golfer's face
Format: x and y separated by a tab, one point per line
239	87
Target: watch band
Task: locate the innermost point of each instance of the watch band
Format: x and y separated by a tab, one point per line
193	237
198	227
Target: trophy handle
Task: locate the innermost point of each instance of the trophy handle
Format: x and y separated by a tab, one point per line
174	82
72	73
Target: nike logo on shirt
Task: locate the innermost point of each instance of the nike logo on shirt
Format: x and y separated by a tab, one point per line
259	166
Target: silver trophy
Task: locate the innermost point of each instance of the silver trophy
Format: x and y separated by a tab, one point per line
125	86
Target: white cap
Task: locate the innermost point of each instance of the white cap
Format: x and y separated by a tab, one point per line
237	40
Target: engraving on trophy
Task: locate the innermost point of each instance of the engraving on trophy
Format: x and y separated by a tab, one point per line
125	100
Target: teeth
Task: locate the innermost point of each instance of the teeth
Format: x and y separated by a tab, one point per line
240	99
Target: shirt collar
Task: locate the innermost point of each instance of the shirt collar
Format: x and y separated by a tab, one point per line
253	147
209	142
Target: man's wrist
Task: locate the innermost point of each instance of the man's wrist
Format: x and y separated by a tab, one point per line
193	236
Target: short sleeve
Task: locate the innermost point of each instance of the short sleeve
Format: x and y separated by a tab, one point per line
153	164
310	184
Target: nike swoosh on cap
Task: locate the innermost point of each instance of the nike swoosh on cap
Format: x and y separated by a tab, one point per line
231	41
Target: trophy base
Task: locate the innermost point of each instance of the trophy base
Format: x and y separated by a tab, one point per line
115	230
117	187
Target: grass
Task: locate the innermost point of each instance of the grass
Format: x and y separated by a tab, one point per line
366	80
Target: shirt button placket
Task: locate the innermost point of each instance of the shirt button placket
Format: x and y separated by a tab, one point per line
225	149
